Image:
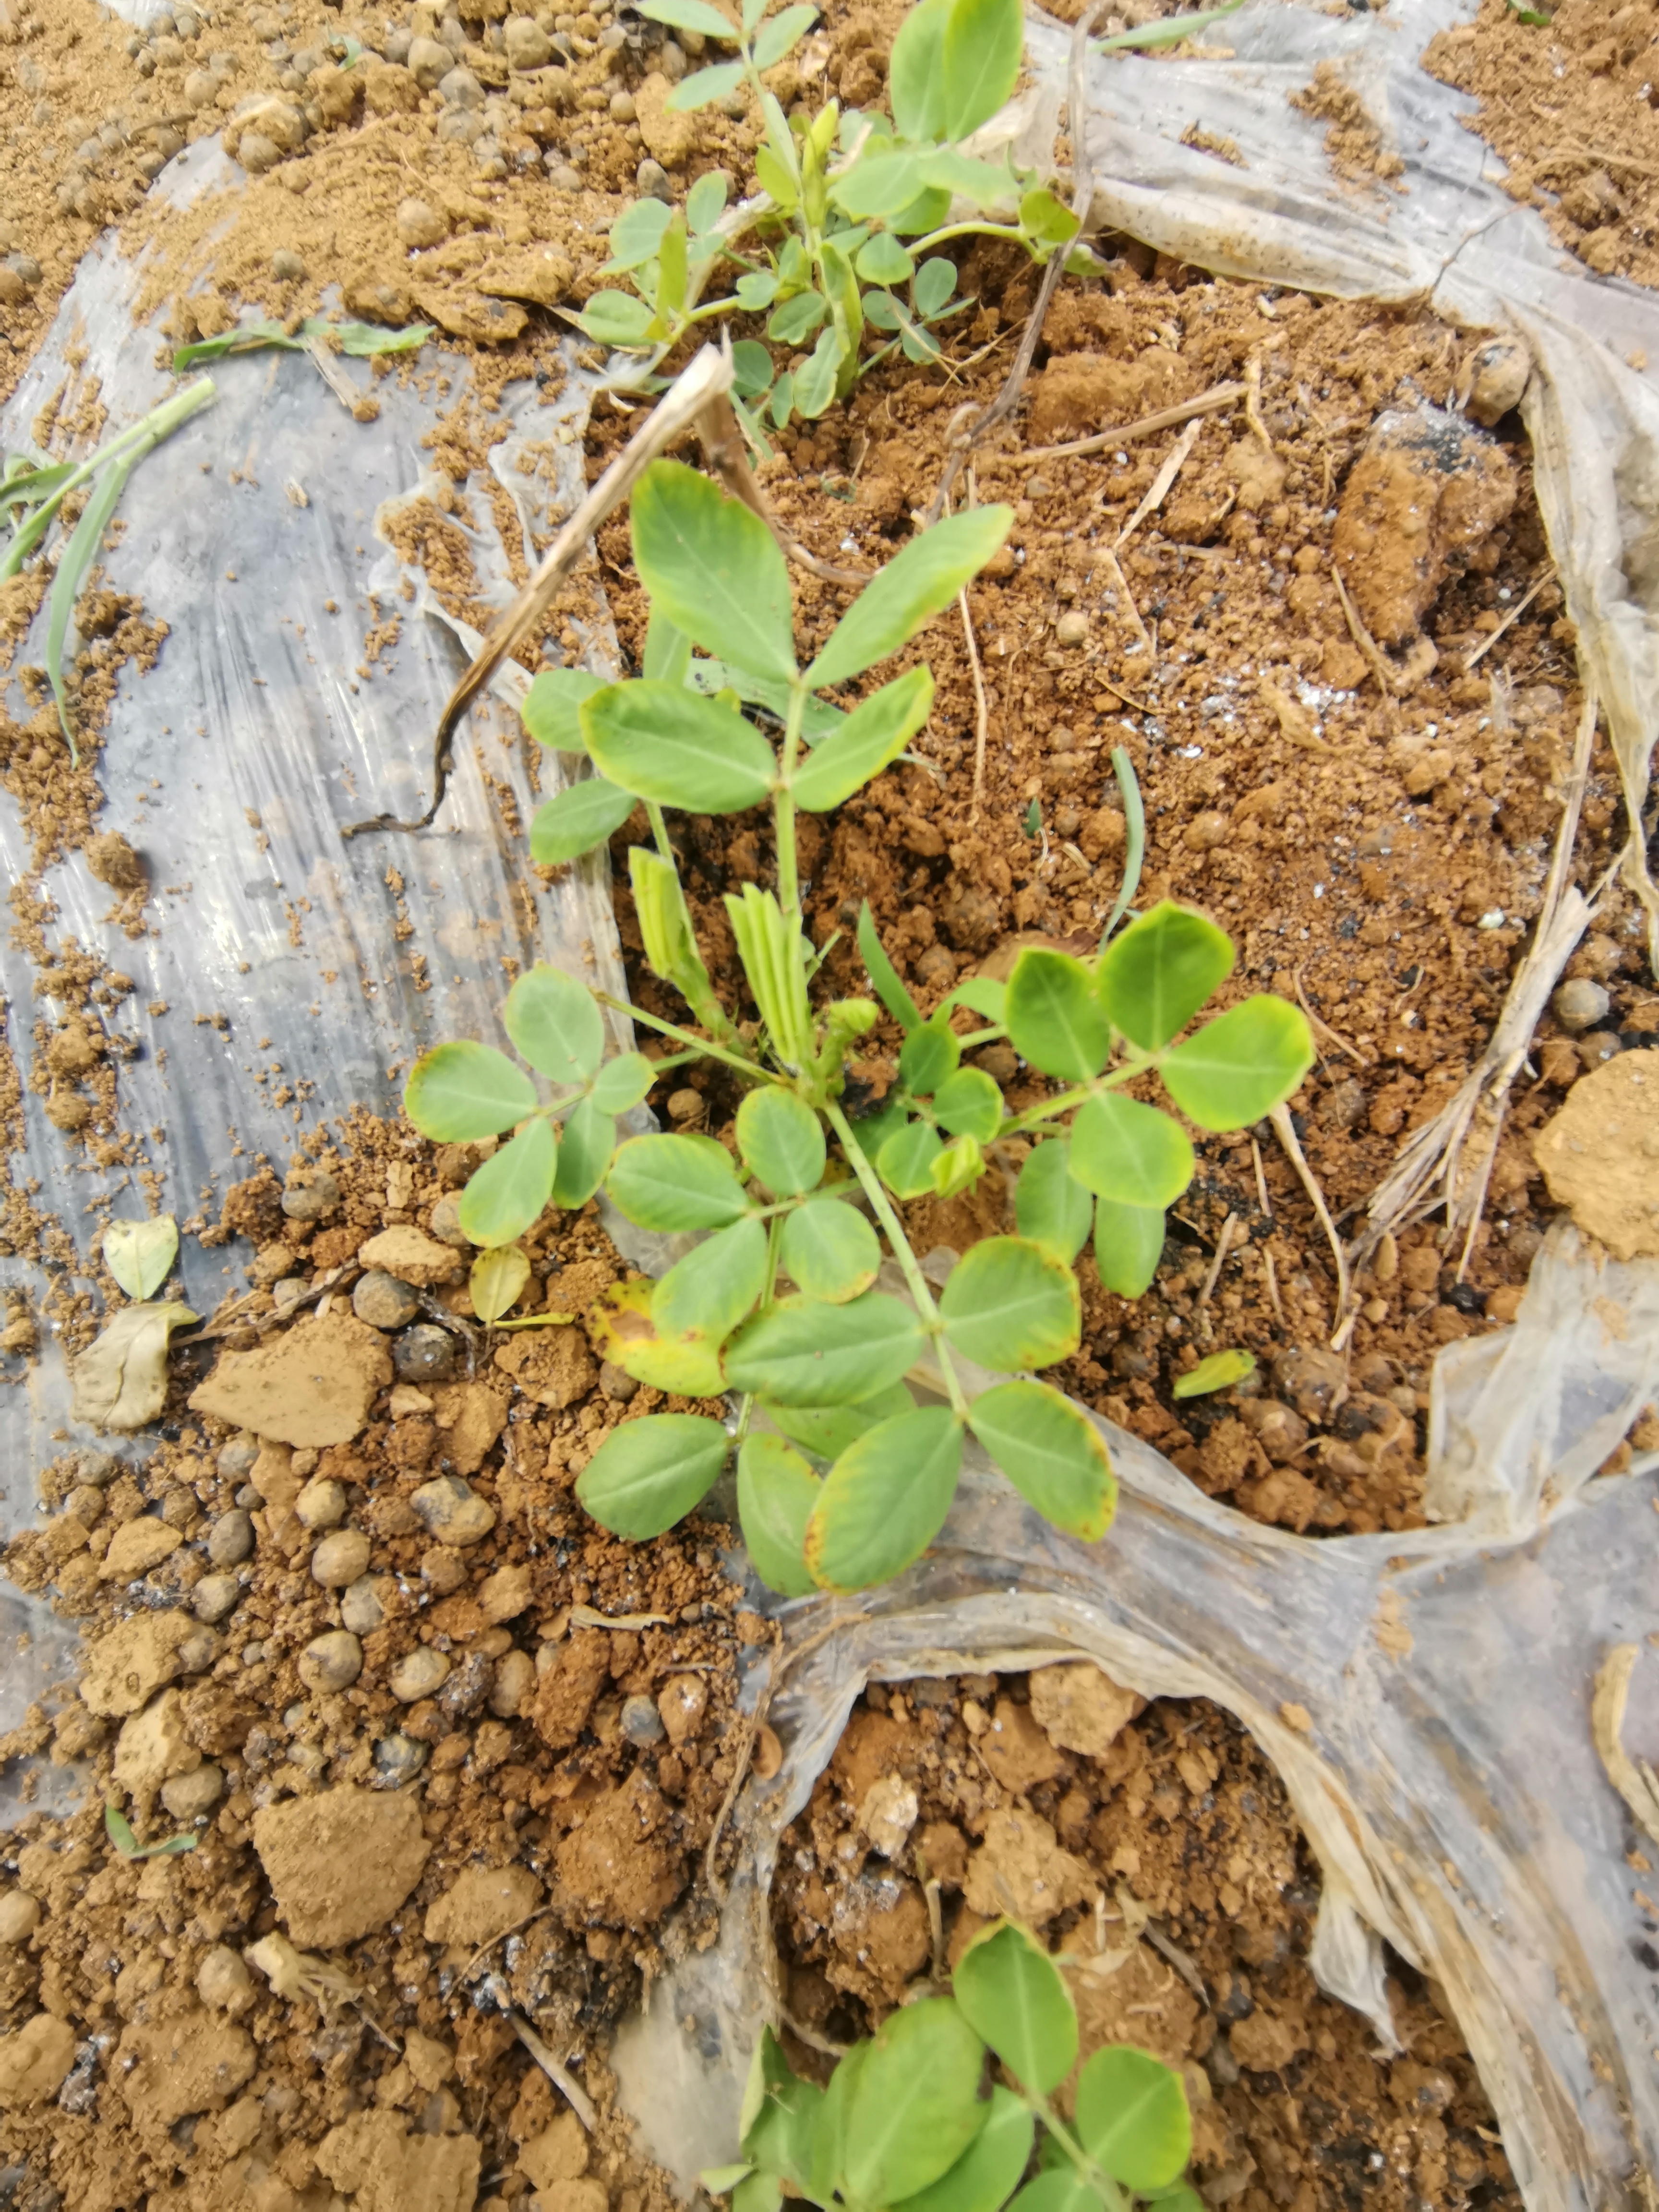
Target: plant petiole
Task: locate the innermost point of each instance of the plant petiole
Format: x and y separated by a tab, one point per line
698	1045
783	803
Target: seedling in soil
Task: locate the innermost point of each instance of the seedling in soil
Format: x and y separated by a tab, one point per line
117	1829
779	1301
33	490
904	2126
854	206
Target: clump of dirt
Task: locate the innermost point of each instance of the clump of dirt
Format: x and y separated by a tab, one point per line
1155	1849
1600	1157
449	1755
1354	143
1567	105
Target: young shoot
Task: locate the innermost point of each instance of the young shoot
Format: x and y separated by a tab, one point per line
844	1477
906	2123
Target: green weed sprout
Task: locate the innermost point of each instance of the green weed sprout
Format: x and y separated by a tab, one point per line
854	206
902	2125
811	1195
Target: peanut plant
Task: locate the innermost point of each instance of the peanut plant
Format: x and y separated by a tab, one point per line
779	1301
902	2125
854	206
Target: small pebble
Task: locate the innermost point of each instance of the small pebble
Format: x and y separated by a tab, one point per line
428	62
461	89
339	1560
398	44
237	1457
99	1467
1580	1004
464	1692
19	1916
398	1758
652	180
515	1679
419	1673
621	107
384	1301
188	1796
459	126
310	1201
616	1384
446	1222
321	1504
425	1353
443	1570
332	1662
641	1723
230	1540
223	1982
419	224
253	1655
215	1598
564	179
287	267
681	1705
1072	627
360	1608
290	1288
451	1511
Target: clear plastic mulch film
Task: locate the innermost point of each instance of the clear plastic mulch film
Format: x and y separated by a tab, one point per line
1448	1781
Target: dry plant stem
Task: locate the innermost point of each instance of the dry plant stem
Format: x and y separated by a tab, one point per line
981	711
517	1929
739	1775
1633	1779
1272	1290
1121	586
1160	485
1513	615
1374	658
1261	1180
1425	1174
572	2090
1128	699
1253	400
725	450
1223	1246
708	378
334	376
1335	1035
1285	1130
1082	195
1167	418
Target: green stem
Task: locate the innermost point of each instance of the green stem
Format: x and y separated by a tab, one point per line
967	230
685	1037
1116	2197
783	805
1035	1116
159	423
915	1282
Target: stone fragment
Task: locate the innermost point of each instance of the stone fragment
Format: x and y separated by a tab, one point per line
1079	1708
312	1387
340	1864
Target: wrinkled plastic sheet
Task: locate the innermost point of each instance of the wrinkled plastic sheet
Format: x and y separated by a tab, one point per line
1447	1672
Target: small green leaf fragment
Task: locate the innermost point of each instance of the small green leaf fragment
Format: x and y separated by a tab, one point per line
781	1141
457	1094
578	820
713	568
987	2172
704	1296
1051	1207
551	708
1053	1017
1131	2116
1133	1154
668	743
650	1472
928	1056
622	1083
872	736
674	1183
883	977
827	1431
924	576
586	1144
497	1279
1220	1372
969	1105
905	1162
915	2104
1011	1994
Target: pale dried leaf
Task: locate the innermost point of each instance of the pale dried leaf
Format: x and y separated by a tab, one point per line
121	1379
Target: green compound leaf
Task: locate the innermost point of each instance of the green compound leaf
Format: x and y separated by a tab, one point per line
915	75
574	821
666	743
1220	1372
883	260
781	1140
496	1281
905	1162
1154	978
957	1168
623	1082
674	1182
586	1144
981	58
910	590
1051	1207
927	1057
873	735
649	1473
1133	1154
827	1431
1053	1017
458	1093
797	319
883	977
1011	1996
555	1024
987	2172
509	1192
703	1296
1133	2119
915	2104
828	1251
1009	1303
551	710
776	1494
1053	1455
806	1352
969	1105
1128	1245
714	568
139	1254
1240	1065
